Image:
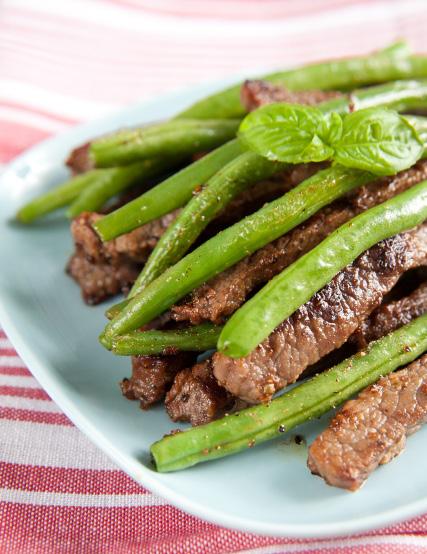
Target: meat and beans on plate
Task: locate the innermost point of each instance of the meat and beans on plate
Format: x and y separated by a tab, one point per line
272	234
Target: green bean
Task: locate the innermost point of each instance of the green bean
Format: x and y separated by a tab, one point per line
389	64
165	197
238	175
177	138
115	309
194	339
295	285
58	197
307	401
110	182
400	96
234	243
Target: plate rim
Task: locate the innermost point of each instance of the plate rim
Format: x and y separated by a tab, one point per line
140	473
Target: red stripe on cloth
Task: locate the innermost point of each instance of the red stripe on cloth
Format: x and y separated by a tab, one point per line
159	529
15	138
18	371
37	111
7	352
24	392
18	414
66	480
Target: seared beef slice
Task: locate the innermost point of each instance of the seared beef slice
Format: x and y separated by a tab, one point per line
372	429
152	376
257	93
100	280
392	315
131	247
196	396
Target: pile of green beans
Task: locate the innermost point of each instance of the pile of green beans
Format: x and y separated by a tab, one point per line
146	343
243	172
307	401
111	181
165	197
259	316
238	175
234	243
91	190
399	95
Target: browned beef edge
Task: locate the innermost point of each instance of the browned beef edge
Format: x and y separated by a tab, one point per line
392	315
99	281
134	246
372	429
79	160
152	376
256	93
196	397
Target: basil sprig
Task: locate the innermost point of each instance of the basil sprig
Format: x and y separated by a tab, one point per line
378	140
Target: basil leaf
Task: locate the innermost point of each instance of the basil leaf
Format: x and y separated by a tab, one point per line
378	140
288	133
331	129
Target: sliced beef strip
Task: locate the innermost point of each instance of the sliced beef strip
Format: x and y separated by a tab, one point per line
224	294
254	94
79	160
101	280
325	322
371	429
196	397
153	375
388	317
134	246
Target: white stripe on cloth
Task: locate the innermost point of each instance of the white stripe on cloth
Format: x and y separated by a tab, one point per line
36	121
19	403
51	101
341	543
5	343
36	498
18	381
42	444
11	361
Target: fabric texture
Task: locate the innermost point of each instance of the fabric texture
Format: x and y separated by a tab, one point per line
65	62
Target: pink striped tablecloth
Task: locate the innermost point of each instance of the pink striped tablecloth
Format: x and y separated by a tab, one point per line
70	61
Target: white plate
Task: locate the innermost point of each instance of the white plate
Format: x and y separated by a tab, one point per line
266	490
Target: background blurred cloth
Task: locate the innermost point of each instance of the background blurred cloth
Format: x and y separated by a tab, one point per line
62	62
